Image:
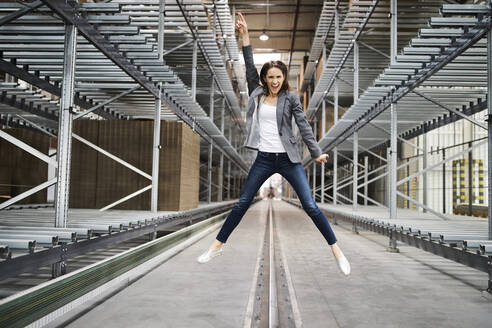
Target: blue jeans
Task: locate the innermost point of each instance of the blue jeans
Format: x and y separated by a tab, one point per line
265	165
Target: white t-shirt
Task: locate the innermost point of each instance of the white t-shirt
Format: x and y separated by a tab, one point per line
269	138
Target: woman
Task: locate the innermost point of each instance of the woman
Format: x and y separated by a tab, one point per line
270	109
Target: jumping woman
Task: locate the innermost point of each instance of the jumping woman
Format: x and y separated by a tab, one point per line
271	106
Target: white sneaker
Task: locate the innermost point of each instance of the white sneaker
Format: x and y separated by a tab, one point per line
344	265
208	255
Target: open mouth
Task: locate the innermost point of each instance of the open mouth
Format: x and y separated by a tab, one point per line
275	86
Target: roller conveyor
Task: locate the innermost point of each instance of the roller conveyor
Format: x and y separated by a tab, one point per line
86	231
223	292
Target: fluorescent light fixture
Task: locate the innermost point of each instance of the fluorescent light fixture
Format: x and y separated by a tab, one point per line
263	36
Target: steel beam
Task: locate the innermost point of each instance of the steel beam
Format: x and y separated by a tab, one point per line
160	32
323	129
64	145
27	193
374	179
27	148
124	199
366	176
393	162
36	126
314	163
373	49
193	70
107	102
221	164
21	12
425	207
156	152
113	157
356	170
229	169
167	52
424	174
393	30
356	72
399	138
371	200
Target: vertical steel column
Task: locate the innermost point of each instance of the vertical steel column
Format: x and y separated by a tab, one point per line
356	169
193	70
443	181
394	30
156	151
157	115
388	176
408	183
356	72
356	134
323	128
392	177
424	166
335	114
393	163
221	174
209	176
235	184
337	24
229	171
366	176
160	35
335	151
64	143
314	162
470	180
489	124
210	146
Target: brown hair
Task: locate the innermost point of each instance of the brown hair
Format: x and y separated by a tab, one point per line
281	66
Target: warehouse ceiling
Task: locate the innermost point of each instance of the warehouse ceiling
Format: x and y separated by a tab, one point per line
279	20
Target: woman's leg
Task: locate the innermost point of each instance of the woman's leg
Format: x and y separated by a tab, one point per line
258	174
296	176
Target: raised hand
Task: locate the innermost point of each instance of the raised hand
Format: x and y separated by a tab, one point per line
241	24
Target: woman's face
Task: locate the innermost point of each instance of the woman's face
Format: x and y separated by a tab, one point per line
274	79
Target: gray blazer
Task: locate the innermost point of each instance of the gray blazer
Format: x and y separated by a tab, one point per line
288	105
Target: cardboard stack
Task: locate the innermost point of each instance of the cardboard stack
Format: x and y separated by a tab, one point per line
97	180
21	171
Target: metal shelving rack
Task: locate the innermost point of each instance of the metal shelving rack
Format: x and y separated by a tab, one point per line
120	71
437	71
159	60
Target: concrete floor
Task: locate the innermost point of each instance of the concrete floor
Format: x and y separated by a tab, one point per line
412	288
407	289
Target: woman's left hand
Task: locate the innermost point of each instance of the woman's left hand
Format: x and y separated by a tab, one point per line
322	158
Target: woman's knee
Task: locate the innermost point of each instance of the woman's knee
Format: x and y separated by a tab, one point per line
311	208
244	202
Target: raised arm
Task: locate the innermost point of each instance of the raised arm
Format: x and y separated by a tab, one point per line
252	76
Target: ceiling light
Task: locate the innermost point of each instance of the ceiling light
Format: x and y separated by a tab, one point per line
264	36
